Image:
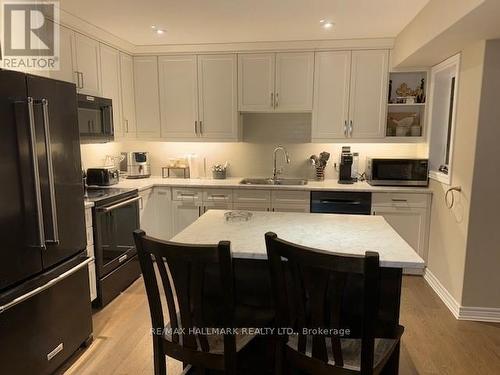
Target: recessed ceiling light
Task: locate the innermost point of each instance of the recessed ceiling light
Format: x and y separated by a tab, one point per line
326	24
160	31
153	27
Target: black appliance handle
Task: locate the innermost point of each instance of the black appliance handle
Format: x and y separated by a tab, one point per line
341	201
40	289
36	173
50	169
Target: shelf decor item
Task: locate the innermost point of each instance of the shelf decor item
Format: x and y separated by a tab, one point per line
399	124
219	171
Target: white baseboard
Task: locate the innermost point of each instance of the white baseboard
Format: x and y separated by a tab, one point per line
441	291
480	314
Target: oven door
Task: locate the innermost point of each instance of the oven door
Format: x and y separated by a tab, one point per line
114	241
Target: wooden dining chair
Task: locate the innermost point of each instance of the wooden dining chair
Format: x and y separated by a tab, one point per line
181	269
310	292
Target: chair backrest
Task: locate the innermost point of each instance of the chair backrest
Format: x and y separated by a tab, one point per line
309	289
181	270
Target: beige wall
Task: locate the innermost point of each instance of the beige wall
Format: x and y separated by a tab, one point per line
482	276
448	235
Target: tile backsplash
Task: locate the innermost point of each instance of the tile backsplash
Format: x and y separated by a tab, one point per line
246	158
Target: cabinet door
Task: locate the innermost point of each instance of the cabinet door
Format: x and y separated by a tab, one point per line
294	81
217	97
163	213
110	69
67	69
128	100
147	211
178	97
217	206
184	214
147	102
368	94
332	73
256	82
409	222
88	64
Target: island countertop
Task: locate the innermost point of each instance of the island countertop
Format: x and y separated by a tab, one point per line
343	234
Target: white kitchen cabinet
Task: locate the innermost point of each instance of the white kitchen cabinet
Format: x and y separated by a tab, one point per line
178	96
270	82
127	91
87	64
184	213
147	214
110	83
66	72
162	228
294	81
368	94
251	206
217	97
408	214
290	201
332	75
147	101
92	280
256	74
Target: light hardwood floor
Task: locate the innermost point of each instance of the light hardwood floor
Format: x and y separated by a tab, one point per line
434	342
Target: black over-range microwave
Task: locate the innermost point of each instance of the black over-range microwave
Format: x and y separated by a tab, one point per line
397	172
95	119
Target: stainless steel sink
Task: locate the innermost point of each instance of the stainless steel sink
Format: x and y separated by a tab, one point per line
270	181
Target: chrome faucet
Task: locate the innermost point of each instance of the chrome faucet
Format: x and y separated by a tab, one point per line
277	171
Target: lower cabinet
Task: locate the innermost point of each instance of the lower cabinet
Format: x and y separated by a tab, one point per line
163	213
90	254
184	213
147	211
408	214
251	206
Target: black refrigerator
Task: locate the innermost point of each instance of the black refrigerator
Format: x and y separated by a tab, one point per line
45	309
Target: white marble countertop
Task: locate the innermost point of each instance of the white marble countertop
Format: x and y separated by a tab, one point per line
345	234
234	183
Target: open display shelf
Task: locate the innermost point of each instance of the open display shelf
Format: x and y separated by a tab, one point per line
406	119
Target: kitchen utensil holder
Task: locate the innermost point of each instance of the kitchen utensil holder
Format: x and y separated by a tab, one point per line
320	173
219	175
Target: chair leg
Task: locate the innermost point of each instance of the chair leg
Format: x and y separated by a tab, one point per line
392	365
159	360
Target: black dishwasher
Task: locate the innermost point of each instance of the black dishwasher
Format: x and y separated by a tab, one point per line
341	202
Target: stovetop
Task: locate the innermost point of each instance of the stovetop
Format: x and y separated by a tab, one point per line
104	195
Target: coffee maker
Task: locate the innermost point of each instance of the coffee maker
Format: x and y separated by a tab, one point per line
345	168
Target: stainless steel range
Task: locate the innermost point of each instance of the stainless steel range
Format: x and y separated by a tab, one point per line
115	217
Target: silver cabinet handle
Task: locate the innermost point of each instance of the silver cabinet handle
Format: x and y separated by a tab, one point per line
196	128
399	200
50	169
83	82
122	258
40	289
277	102
77	79
350	128
345	128
126	123
121	204
36	174
272	100
201	127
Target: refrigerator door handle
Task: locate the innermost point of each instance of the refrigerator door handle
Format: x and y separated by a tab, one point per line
36	173
50	169
49	284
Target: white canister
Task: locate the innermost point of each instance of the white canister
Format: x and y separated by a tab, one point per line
194	165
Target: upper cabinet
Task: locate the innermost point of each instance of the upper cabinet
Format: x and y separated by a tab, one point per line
110	83
350	95
256	82
178	96
217	93
294	82
66	46
198	96
147	101
128	99
332	75
87	65
275	82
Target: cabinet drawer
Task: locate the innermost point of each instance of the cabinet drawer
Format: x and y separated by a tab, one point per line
90	236
250	196
186	194
290	197
88	217
217	195
305	207
251	206
163	192
400	199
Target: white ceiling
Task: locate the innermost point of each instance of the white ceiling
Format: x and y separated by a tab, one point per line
229	21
